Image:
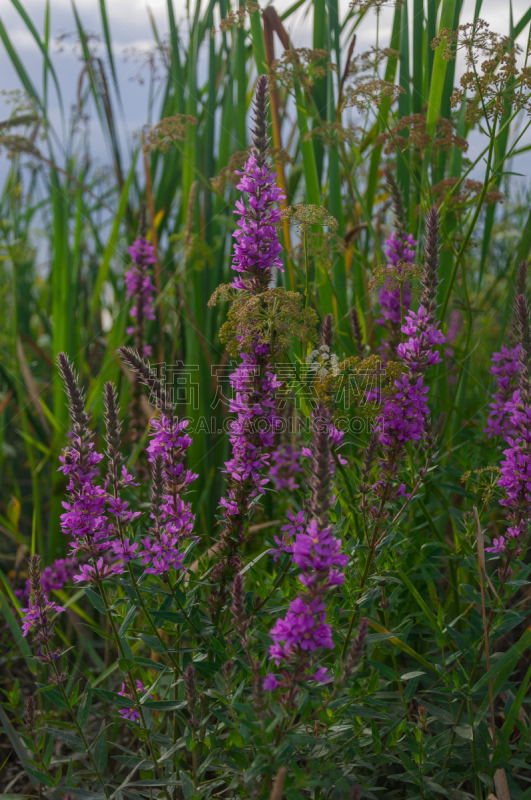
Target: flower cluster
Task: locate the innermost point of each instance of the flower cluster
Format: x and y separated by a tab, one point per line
253	430
85	521
515	468
256	253
131	712
39	614
285	467
303	632
506	366
257	247
405	409
140	288
172	517
399	249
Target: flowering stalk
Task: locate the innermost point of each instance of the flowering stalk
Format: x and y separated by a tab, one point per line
256	253
506	366
405	410
141	291
356	329
38	616
172	516
404	416
85	521
400	248
300	637
515	468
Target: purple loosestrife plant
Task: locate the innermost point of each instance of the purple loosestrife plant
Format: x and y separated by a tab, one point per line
404	414
286	468
395	300
515	468
300	638
38	616
505	365
141	291
85	521
252	435
172	516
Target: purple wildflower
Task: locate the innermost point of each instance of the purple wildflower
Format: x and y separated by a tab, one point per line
506	366
131	712
270	682
399	249
304	627
256	253
515	468
295	526
285	467
94	573
405	410
140	289
85	521
172	517
303	632
38	616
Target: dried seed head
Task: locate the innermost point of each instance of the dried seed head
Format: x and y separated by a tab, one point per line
320	479
398	204
190	689
327	332
355	652
149	378
34	572
142	221
76	398
522	321
30	716
356	329
431	266
260	137
113	427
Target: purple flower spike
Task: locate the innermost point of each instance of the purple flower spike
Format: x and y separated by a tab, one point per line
140	289
252	432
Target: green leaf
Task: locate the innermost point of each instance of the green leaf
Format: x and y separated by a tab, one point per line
410	675
187	784
68	738
100	750
96	600
84	706
501	672
39	775
439	68
113	697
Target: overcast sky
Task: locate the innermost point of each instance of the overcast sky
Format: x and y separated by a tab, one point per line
130	28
